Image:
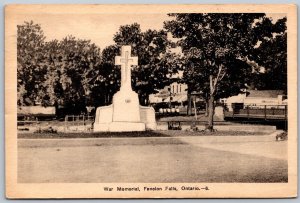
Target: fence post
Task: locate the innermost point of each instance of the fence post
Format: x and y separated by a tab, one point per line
66	119
265	112
78	121
285	112
248	112
286	119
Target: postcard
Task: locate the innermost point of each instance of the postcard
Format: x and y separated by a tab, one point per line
151	101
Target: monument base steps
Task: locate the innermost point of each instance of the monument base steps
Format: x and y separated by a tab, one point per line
105	123
126	127
119	127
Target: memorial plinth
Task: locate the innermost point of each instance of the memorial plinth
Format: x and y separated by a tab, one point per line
125	114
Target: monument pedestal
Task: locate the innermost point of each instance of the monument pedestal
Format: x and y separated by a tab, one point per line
104	121
126	127
122	116
126	106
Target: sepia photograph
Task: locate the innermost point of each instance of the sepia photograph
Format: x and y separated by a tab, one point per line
151	101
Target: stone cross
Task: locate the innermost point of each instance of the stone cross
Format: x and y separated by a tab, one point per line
126	61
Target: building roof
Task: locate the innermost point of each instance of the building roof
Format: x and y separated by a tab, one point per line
265	93
236	99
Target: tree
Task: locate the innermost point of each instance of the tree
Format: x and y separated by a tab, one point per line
216	48
31	69
155	64
271	54
72	64
107	80
55	72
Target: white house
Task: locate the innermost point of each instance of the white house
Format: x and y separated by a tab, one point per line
258	99
177	92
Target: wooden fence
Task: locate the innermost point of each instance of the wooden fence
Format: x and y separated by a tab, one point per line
265	112
78	123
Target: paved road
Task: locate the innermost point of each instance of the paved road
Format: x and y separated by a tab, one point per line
154	159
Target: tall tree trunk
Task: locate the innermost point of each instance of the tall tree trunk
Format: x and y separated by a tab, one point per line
211	112
206	107
189	108
147	100
56	108
211	108
143	99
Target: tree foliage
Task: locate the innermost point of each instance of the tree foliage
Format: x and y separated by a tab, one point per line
212	43
155	62
73	73
107	79
271	54
30	62
72	64
217	50
55	72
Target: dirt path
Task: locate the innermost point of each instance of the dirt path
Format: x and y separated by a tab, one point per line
160	159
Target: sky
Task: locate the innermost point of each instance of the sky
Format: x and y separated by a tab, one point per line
99	28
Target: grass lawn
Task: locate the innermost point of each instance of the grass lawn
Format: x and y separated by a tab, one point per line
167	133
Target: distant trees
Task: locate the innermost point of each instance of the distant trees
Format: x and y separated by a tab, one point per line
217	49
72	63
271	54
106	81
74	73
31	67
55	72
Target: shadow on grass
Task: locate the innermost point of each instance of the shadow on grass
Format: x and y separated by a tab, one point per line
165	133
92	135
